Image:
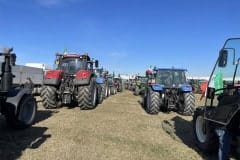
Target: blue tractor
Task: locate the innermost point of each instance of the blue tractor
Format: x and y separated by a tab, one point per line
102	84
167	90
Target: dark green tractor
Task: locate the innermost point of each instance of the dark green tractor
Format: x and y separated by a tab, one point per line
140	85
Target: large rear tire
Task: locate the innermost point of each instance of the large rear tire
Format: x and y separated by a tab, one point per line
109	91
106	91
49	97
87	96
25	115
153	101
100	93
112	90
204	134
187	106
136	91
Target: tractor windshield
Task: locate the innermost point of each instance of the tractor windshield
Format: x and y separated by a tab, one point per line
228	74
170	77
98	72
225	77
71	65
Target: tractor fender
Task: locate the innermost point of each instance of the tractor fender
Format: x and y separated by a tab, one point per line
15	96
156	87
83	81
186	88
100	80
53	77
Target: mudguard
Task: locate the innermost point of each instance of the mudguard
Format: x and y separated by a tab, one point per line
16	95
83	81
222	114
53	77
186	88
100	80
156	87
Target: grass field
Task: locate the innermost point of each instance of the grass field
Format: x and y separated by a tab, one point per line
117	129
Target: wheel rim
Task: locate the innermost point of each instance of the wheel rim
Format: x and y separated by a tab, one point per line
27	111
201	129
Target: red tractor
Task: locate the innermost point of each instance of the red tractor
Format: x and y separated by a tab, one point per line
72	81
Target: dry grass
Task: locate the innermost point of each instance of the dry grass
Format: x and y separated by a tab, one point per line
117	129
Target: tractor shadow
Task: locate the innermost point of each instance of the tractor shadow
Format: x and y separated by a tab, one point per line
14	142
140	102
181	130
44	114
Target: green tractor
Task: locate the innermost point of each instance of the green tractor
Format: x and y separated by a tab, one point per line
140	85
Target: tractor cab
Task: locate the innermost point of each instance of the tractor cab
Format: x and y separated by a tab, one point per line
72	63
169	78
141	80
99	72
223	92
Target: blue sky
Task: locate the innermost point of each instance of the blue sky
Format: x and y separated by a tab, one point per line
126	36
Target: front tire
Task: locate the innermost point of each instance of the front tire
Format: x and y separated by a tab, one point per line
87	96
187	106
204	134
153	101
26	113
49	97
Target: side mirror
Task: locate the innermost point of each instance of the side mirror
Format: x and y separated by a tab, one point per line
96	64
210	93
222	59
13	59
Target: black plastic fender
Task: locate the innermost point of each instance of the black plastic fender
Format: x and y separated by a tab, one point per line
16	95
223	114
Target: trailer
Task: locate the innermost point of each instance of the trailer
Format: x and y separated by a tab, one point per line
28	76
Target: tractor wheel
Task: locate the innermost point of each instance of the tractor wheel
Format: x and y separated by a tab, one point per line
112	90
106	91
49	97
153	101
204	134
109	91
87	96
137	91
187	106
100	93
25	115
120	88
